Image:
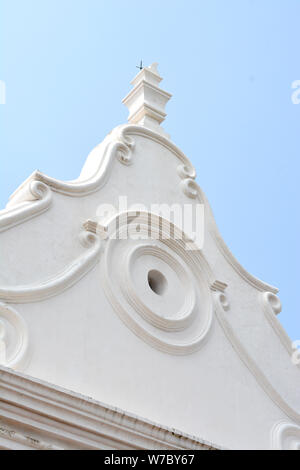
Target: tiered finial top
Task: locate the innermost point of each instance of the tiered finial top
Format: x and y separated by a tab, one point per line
147	102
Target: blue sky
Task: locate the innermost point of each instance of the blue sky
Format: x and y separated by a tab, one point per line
67	65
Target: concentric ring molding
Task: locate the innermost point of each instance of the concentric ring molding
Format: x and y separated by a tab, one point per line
181	335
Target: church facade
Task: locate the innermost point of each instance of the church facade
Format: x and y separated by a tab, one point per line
125	321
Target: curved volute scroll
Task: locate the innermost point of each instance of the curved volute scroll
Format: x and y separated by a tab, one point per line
13	338
220	295
285	436
159	289
193	191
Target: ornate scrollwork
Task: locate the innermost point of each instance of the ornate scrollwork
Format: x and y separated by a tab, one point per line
272	307
223	300
190	188
178	320
221	297
186	171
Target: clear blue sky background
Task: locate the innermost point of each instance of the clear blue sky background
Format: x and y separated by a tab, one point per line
229	64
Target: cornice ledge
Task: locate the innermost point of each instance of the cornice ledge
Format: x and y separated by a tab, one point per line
75	411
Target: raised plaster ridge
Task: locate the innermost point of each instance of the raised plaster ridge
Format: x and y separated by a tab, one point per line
61	281
250	363
118	144
75	413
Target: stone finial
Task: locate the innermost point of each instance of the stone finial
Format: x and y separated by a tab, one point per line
147	102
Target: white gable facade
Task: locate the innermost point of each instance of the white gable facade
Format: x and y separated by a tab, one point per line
118	286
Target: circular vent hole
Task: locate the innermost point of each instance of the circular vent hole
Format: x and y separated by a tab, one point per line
157	282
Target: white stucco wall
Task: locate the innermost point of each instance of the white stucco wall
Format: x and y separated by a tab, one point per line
226	377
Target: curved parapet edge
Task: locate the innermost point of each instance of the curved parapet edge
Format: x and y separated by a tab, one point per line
62	281
16	344
117	144
285	436
120	144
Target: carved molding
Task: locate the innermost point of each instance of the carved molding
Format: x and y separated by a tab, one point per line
223	301
9	438
182	330
273	302
116	145
192	190
62	281
13	338
257	373
186	171
179	320
272	307
36	199
72	421
285	436
218	286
